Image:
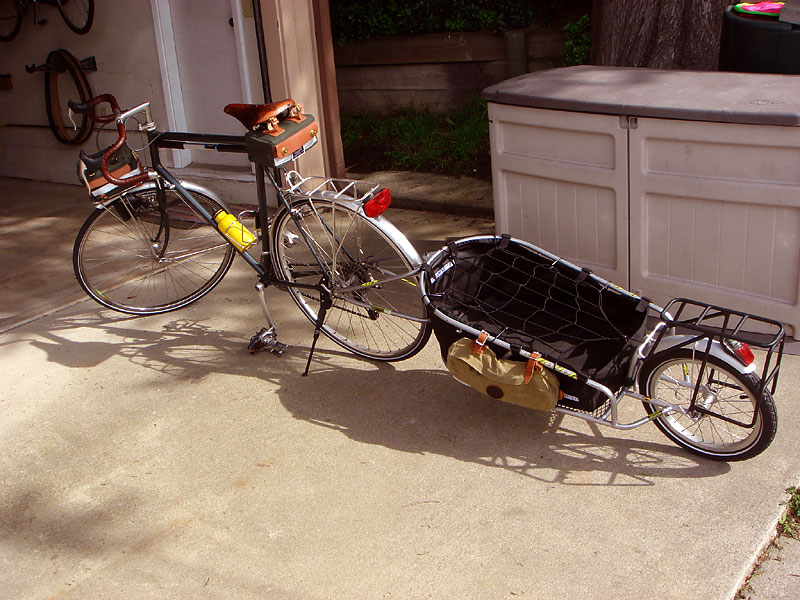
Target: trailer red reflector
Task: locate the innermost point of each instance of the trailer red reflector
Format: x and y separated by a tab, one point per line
378	203
741	351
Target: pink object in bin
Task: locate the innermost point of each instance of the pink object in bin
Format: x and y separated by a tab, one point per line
759	8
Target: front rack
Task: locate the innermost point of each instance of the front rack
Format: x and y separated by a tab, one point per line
329	188
715	323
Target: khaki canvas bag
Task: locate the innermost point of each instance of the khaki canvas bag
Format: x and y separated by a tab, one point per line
529	385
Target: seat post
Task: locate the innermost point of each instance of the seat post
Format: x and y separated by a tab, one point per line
263	218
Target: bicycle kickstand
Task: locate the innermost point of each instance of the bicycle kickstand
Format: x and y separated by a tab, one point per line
267	338
325	304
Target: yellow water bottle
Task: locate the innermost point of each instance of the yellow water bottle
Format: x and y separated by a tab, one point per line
232	229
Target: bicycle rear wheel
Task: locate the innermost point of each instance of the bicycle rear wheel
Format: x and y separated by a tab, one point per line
354	251
66	81
140	257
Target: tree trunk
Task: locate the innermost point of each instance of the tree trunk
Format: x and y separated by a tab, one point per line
666	34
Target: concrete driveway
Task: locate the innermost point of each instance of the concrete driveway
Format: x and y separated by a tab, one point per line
155	458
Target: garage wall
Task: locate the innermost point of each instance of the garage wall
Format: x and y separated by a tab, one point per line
122	40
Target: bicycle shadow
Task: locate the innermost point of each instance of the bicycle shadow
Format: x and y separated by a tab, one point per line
182	347
414	410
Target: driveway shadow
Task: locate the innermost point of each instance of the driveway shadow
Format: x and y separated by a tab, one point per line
428	412
420	411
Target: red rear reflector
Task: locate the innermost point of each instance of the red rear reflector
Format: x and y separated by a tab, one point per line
378	203
745	354
741	351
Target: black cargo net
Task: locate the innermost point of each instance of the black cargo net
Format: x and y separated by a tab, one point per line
531	301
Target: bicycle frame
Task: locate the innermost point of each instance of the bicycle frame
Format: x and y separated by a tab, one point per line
345	194
225	143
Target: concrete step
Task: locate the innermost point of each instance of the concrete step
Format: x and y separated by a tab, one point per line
416	191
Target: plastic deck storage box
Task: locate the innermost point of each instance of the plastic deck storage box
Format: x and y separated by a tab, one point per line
671	183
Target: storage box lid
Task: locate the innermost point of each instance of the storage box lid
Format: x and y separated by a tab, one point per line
761	99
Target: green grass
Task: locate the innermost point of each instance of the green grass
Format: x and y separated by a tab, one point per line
416	139
789	523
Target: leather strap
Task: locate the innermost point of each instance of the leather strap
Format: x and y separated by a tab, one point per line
532	367
480	343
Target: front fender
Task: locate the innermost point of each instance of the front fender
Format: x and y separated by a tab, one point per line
188	185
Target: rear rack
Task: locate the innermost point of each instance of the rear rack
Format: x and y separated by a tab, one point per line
717	323
329	188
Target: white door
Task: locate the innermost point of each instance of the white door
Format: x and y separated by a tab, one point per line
202	51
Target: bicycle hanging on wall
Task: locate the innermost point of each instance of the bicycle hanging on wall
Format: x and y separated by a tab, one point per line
77	14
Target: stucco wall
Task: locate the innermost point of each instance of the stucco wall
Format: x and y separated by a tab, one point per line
122	40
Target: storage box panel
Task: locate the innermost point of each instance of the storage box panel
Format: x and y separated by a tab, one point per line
574	221
695	242
560	182
738	161
715	214
548	143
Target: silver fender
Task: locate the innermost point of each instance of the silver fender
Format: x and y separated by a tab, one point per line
394	234
188	185
700	346
389	230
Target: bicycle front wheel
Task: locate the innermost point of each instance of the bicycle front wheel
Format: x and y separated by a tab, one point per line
671	376
77	14
11	12
141	256
381	320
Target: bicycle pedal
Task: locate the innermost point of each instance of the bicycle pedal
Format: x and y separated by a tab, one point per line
277	347
266	340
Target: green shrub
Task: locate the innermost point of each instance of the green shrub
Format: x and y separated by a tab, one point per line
416	139
576	46
362	19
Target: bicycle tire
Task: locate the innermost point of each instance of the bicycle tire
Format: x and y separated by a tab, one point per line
77	14
121	261
354	249
61	62
673	375
11	13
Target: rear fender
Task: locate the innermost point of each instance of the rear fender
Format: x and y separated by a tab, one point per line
700	346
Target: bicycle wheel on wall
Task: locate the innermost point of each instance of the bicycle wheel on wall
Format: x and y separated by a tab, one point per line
77	14
65	81
355	251
139	258
11	12
672	375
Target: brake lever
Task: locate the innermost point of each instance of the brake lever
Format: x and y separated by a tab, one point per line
69	114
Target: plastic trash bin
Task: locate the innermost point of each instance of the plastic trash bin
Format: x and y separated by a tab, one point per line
758	44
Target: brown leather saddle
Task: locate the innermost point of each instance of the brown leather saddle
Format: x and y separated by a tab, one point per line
265	116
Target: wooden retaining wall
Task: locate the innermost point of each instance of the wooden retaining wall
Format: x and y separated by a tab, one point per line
439	71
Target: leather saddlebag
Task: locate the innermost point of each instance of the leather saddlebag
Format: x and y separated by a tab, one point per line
123	163
281	141
477	366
